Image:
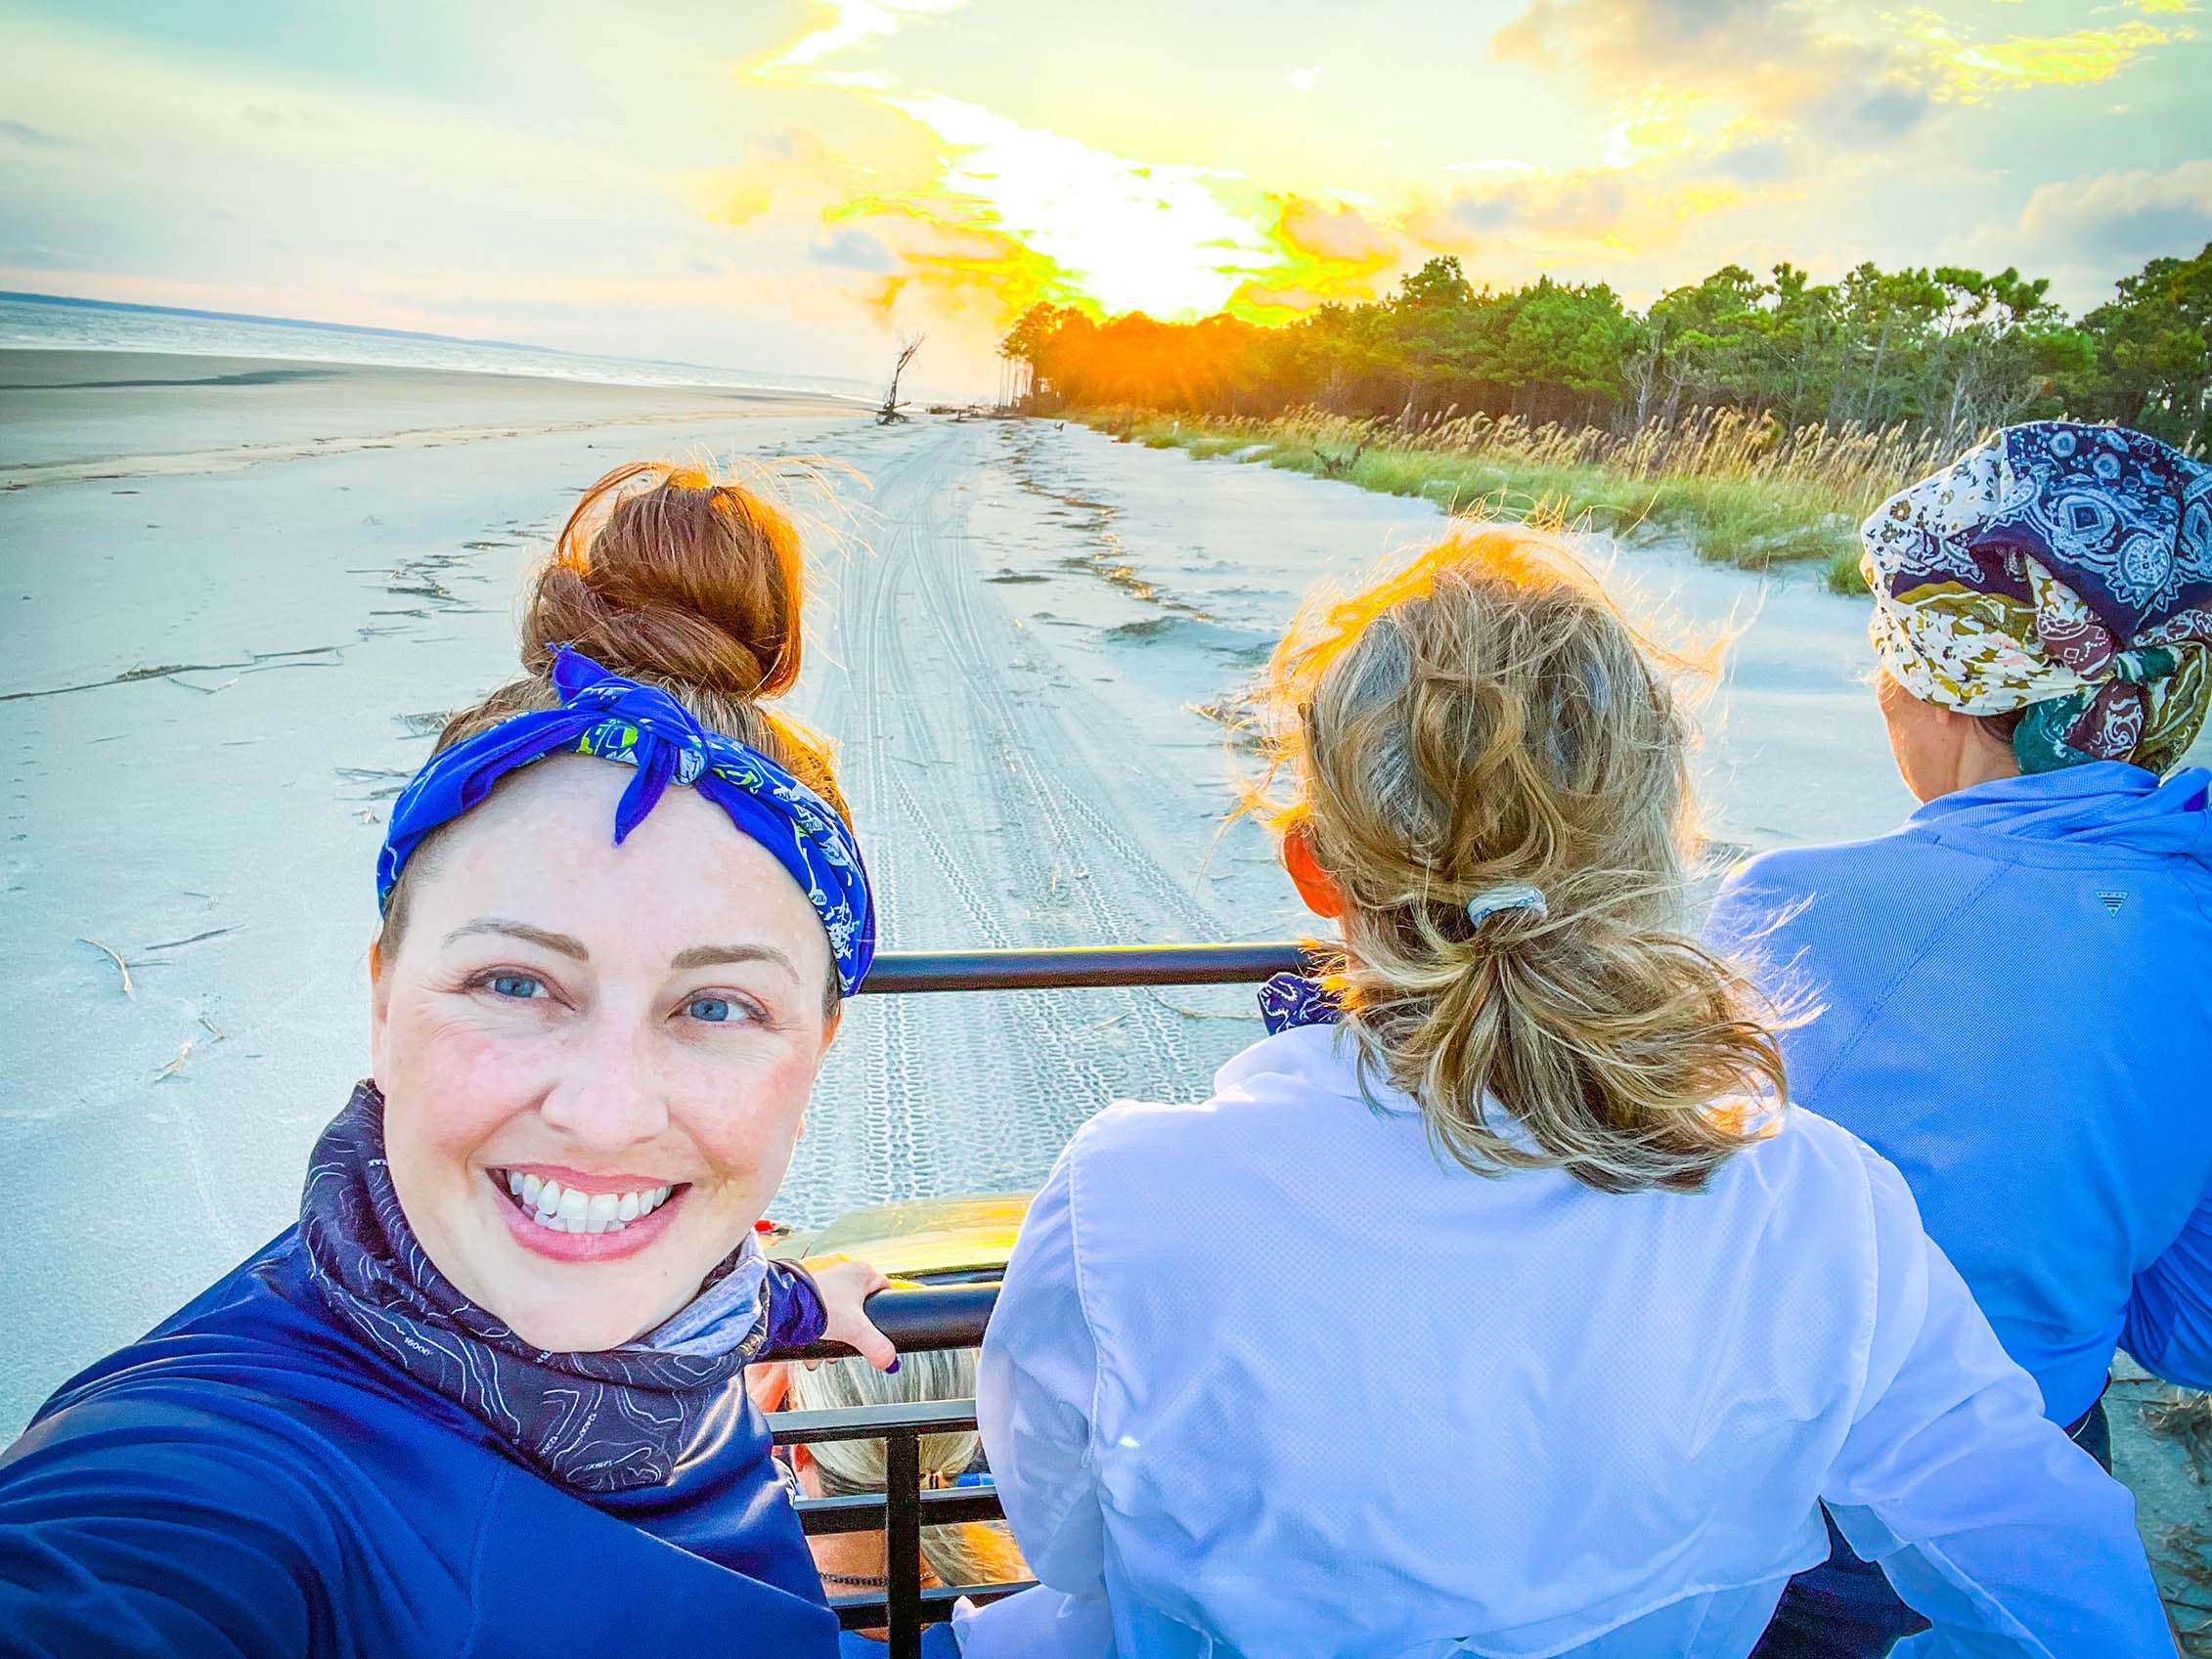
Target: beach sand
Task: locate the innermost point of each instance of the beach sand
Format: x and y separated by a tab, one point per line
238	596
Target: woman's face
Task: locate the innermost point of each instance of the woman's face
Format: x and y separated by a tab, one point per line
595	1059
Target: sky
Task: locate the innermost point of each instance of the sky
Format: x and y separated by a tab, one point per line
794	185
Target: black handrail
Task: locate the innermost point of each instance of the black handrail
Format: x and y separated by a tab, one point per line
1081	969
918	1317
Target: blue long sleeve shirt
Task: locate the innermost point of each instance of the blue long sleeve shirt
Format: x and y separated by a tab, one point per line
248	1481
2016	1009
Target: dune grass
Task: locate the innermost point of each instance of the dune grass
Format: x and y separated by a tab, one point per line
1737	489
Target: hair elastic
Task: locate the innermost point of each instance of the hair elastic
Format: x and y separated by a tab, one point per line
1519	896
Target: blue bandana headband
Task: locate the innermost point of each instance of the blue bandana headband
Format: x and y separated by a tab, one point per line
615	719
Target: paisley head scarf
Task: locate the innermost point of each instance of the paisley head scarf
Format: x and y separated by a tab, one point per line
2061	570
604	715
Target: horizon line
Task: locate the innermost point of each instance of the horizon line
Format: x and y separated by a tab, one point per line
85	303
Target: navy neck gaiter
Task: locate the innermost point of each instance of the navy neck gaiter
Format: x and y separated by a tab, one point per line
597	1423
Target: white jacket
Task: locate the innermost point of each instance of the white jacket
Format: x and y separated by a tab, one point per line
1268	1377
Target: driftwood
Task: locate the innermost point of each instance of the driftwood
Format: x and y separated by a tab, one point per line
890	412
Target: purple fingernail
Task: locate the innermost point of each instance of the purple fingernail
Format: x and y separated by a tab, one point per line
892	1367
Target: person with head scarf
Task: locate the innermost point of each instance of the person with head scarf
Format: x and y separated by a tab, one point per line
486	1397
2012	991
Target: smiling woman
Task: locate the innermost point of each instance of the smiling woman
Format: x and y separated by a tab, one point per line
629	1027
496	1372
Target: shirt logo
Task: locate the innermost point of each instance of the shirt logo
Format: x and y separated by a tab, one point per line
2112	901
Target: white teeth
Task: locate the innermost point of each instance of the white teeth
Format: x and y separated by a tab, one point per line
569	1209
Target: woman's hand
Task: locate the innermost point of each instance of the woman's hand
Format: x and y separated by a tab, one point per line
845	1284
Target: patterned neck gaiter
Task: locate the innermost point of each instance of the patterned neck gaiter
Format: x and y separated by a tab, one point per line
595	1423
1291	1000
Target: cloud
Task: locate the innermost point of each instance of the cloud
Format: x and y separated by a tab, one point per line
851	22
16	132
801	146
791	166
1327	251
1601	213
738	202
853	250
1679	74
1130	234
1675	65
2078	58
957	269
2111	219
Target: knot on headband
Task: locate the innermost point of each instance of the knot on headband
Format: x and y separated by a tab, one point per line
613	719
1519	896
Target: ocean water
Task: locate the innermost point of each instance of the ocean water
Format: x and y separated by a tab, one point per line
29	320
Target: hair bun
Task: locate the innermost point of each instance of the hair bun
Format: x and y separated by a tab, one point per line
684	580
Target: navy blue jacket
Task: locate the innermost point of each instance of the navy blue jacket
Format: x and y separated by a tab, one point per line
250	1480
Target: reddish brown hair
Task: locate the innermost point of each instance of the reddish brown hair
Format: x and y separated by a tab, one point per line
673	577
687	581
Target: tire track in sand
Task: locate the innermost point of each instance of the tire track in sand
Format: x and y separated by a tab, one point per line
997	800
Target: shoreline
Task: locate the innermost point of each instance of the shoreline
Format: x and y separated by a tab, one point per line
80	415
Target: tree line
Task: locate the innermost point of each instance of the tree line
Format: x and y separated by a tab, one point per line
1948	352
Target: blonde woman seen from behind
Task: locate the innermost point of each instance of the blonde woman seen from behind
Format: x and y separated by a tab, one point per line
1496	1303
853	1563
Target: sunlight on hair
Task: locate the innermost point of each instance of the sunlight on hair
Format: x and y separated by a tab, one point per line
1487	715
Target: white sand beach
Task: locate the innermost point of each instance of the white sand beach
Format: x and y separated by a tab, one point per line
237	597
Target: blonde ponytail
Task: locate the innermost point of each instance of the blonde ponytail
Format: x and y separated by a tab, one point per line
1486	718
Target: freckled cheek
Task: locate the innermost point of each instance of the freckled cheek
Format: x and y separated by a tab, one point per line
744	1123
459	1085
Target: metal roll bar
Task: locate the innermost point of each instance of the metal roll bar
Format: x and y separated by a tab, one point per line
918	1318
1081	969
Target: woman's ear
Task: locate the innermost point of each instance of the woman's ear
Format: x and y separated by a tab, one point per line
1315	885
379	1007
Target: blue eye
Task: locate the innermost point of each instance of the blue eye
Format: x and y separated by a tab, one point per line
713	1009
517	986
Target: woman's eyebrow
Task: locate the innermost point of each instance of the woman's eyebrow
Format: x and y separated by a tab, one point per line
715	956
559	943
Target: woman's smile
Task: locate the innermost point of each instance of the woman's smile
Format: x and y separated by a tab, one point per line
572	1216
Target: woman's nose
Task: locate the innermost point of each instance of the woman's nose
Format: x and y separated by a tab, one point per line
607	1095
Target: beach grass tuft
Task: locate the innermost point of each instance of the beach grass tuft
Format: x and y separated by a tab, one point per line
1739	489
